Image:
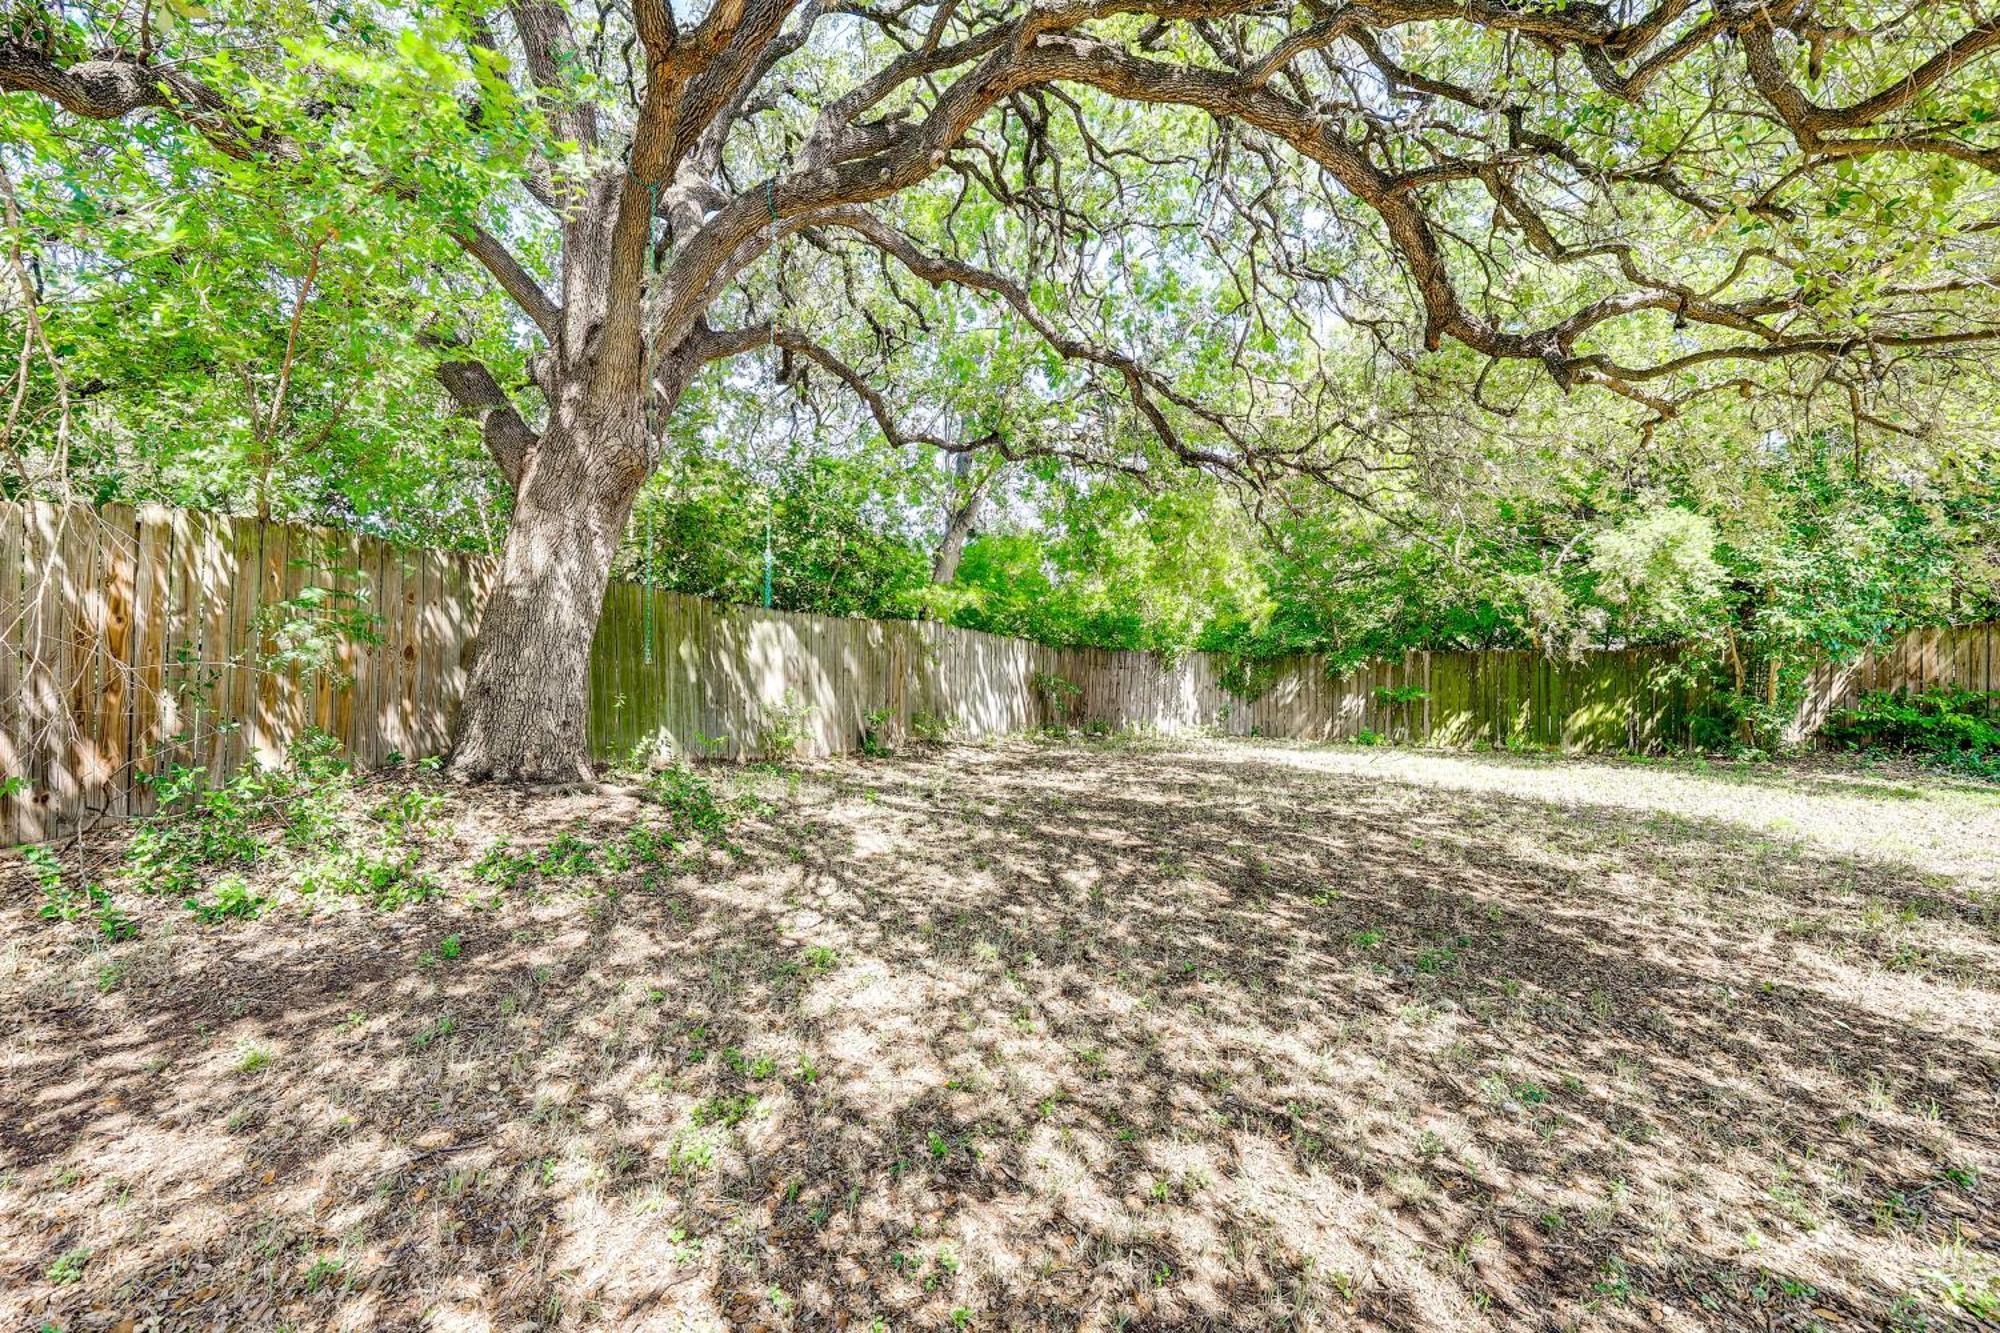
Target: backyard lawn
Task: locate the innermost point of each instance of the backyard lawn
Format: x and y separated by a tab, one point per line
1203	1035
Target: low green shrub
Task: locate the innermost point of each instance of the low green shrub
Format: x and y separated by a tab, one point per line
232	899
1952	729
929	728
689	798
878	734
63	900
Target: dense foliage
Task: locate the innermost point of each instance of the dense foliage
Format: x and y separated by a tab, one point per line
1300	464
1957	730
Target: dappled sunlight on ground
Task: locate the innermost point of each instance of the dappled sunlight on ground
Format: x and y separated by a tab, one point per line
1222	1035
1930	822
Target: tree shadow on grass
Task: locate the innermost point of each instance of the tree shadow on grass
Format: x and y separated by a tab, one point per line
1044	1038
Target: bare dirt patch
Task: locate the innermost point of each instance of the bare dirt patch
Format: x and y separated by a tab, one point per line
1217	1035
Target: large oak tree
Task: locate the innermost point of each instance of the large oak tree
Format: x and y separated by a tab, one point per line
1653	200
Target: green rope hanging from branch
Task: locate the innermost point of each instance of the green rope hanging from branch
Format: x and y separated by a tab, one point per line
647	594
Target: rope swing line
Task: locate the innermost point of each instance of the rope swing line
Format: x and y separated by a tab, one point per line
648	580
646	594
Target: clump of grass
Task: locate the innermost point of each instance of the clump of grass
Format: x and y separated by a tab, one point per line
724	1111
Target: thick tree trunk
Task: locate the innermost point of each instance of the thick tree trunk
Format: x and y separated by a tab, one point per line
527	692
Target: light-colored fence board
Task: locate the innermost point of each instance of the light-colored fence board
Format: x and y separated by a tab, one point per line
133	640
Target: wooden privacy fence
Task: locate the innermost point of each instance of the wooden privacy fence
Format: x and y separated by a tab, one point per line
135	640
132	640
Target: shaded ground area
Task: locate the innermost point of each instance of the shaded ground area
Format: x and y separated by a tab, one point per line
1218	1035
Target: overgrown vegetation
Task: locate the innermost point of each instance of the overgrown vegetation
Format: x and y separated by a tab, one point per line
313	831
1955	730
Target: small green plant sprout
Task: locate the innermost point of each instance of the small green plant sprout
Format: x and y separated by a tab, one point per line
67	1267
724	1112
750	1066
231	899
446	950
325	1271
115	924
252	1058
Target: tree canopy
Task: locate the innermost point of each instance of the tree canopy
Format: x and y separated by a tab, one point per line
1344	326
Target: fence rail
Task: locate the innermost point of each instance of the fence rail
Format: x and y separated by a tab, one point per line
132	639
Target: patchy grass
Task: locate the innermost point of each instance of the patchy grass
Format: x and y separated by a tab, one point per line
1216	1035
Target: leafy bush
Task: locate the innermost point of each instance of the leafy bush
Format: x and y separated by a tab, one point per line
786	726
199	826
689	798
1946	728
63	901
877	734
1060	696
929	728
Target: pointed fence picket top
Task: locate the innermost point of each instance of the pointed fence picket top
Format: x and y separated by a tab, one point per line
132	640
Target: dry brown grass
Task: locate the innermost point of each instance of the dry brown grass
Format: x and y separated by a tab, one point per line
1217	1035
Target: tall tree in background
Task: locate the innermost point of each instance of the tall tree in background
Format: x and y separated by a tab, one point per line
961	514
1181	200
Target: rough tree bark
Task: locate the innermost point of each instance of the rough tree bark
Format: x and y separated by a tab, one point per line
526	693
